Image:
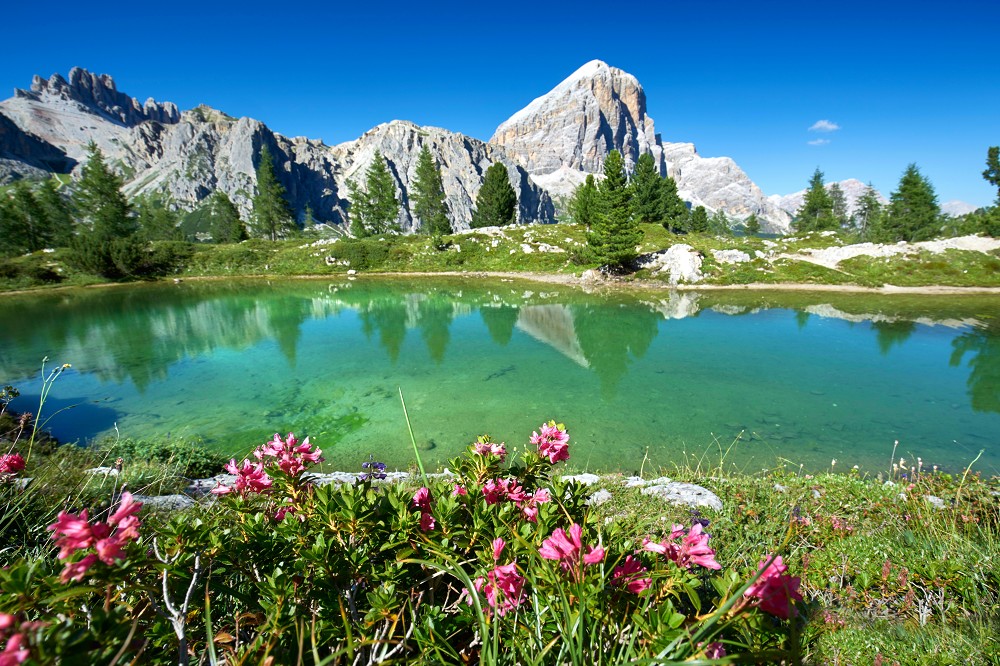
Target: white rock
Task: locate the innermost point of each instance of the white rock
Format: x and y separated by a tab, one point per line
583	479
688	494
681	262
599	498
731	256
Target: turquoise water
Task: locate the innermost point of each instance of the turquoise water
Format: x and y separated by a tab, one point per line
799	377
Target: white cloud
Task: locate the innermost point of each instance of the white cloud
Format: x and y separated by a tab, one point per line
818	142
824	126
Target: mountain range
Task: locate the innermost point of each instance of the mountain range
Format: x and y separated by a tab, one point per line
549	147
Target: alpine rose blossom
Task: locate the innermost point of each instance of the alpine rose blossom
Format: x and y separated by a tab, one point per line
11	463
292	457
74	533
693	548
250	478
503	585
485	447
552	442
775	591
629	575
567	549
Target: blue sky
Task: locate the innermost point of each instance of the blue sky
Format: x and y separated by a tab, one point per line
903	81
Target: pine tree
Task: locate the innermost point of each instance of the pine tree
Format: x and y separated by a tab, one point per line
496	203
718	224
308	221
615	233
676	216
699	220
271	217
429	203
226	225
752	225
583	205
867	212
35	232
913	213
838	205
646	190
374	210
816	213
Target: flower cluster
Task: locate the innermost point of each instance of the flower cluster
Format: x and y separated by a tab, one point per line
287	454
774	591
552	441
568	549
692	548
11	463
485	446
12	633
630	575
422	501
503	585
74	533
499	490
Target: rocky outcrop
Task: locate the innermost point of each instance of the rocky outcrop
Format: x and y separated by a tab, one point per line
852	188
25	156
463	162
566	133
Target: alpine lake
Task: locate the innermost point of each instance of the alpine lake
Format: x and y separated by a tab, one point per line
642	379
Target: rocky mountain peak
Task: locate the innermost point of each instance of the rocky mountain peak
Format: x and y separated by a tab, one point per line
595	110
98	94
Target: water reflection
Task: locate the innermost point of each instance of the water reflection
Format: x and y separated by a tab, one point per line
137	334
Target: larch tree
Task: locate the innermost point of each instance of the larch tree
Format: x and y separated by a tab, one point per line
272	217
427	192
496	203
615	233
752	225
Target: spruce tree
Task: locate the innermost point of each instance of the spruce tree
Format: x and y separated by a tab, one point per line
615	233
429	203
992	172
271	217
867	212
751	225
583	205
496	203
374	210
838	205
718	224
676	216
699	220
816	213
913	213
226	225
156	221
35	231
646	190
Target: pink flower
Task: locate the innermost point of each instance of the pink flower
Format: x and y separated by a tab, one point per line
76	532
693	548
529	507
458	490
494	492
715	651
77	570
775	591
427	521
250	478
484	447
503	585
13	653
552	442
127	509
567	549
629	574
11	463
221	490
6	623
292	457
513	491
422	499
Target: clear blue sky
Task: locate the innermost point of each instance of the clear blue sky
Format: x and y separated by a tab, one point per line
904	81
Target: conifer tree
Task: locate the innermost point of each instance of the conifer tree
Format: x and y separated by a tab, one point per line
646	191
699	220
718	224
35	232
867	212
676	216
496	203
156	221
615	233
374	210
913	213
107	244
752	225
57	211
838	205
584	204
429	203
226	225
816	213
271	217
992	172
